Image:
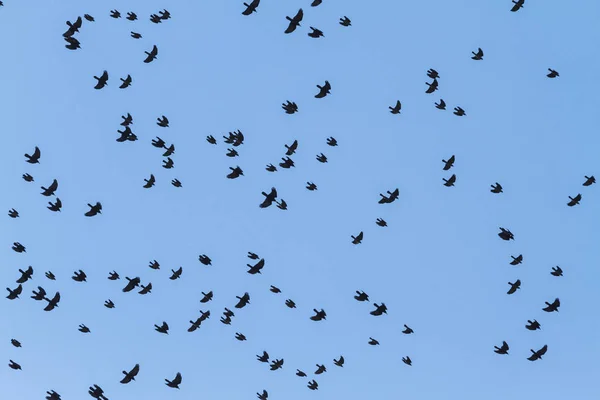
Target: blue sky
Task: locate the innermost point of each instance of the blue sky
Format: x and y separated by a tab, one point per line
439	266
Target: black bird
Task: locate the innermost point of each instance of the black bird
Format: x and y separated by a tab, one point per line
345	21
207	297
320	369
503	349
517	260
115	14
290	107
255	269
332	142
83	329
251	8
448	164
170	151
155	18
373	342
132	283
232	153
381	222
380	309
532	325
517	5
151	56
433	86
13	213
13	365
357	239
506	234
316	33
552	74
25	275
269	198
253	256
477	56
211	139
552	307
393	196
282	205
300	373
275	289
264	358
287	163
146	289
15	342
290	303
131	16
176	274
164	328
159	143
319	315
537	355
323	90
52	395
262	396
450	181
557	271
97	392
175	382
102	80
235	173
313	385
18	247
195	325
321	158
109	304
574	200
149	182
589	180
130	376
243	301
162	122
126	82
240	336
56	206
14	293
441	105
276	364
52	303
73	43
27	178
407	330
294	22
396	109
164	15
316	3
311	186
339	362
459	112
204	259
94	209
113	276
406	360
154	264
79	276
226	320
168	163
49	191
496	188
361	296
73	27
136	35
127	120
514	286
432	73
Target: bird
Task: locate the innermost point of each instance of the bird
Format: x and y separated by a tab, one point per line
15	342
294	22
52	303
407	330
332	142
206	297
155	18
19	248
136	35
175	382
253	256
313	385
320	369
170	151
151	56
146	289
109	304
52	395
39	295
163	122
97	392
255	269
204	259
240	336
276	364
589	180
73	27
381	222
176	274
176	183
131	16
56	206
357	239
477	56
514	286
311	186
517	260
127	120
393	196
290	107
361	296
243	301
275	289
13	365
537	355
149	182
373	342
323	90
50	275
532	325
450	181
339	362
574	200
73	43
321	158
319	315
84	329
126	82
264	357
506	234
168	163
25	275
13	213
432	73
282	205
449	163
441	105
552	307
316	3
14	293
154	264
380	309
345	21
262	396
557	271
459	112
316	33
269	198
517	5
232	153
503	349
211	139
132	283
164	328
406	360
130	376
113	276
433	86
235	173
251	8
552	73
164	15
496	188
79	276
49	191
287	163
300	373
102	81
27	178
396	109
115	14
290	303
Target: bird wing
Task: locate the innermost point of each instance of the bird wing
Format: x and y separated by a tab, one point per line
177	379
36	153
542	351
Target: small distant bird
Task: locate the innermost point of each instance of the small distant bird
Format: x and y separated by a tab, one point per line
251	8
97	392
130	376
332	142
25	275
589	180
176	183
136	35
49	191
503	349
149	182
102	80
316	3
14	293
339	362
276	364
235	173
73	43
52	395
496	188
282	205
316	33
552	74
300	373
311	186
113	276
243	301
15	342
361	296
211	139
381	222
393	196
109	304
574	200
552	307
450	181
506	234
52	303
313	385
433	86
151	56
294	22
163	122
132	283
264	358
127	120
240	336
357	239
275	289
126	82
514	286
459	112
255	269
27	178
269	198
380	309
168	163
18	247
537	355
396	109
517	260
432	73
345	21
164	14
320	369
206	297
321	158
146	289
290	303
175	382
204	259
253	256
517	5
73	27
373	342
164	328
557	271
155	18
13	213
176	274
170	151
323	90
94	209
13	365
477	56
319	315
290	107
83	329
56	206
407	330
449	163
232	153
154	264
50	275
262	396
406	360
79	276
532	325
132	16
115	14
441	105
287	163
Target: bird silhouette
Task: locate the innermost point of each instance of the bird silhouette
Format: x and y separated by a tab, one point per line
175	382
477	56
295	21
102	81
537	355
503	349
251	8
130	376
151	56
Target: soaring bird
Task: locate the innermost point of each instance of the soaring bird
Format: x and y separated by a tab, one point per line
276	364
14	293
478	56
102	80
313	385
251	8
262	396
164	328
552	307
52	303
73	27
243	301
506	234
264	358
450	181
361	296
449	163
131	16
345	21
126	82
323	90
406	360
25	275
94	209
294	22
557	271
552	73
175	382
433	86
130	376
315	33
407	330
503	349
380	309
339	362
332	142
319	315
517	260
514	286
532	325
56	206
49	191
441	105
459	112
39	295
537	355
269	198
497	188
381	222
149	182
517	5
358	238
396	109
151	56
176	274
13	213
574	200
255	269
589	180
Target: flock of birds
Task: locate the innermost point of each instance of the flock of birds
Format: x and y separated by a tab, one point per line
236	139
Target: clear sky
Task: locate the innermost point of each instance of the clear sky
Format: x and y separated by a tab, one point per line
439	266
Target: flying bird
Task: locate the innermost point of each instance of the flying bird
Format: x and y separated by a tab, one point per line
514	286
151	56
459	112
396	109
557	271
552	307
52	303
164	328
589	180
149	182
345	21
243	301
433	86
316	33
574	200
517	260
269	198
537	355
497	188
323	90
126	82
14	293
130	376
131	16
176	274
450	181
407	330
552	73
449	163
441	105
532	325
477	56
503	349
294	22
361	296
251	8
56	206
94	209
357	239
175	382
319	315
102	80
517	5
49	191
50	275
